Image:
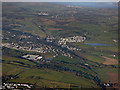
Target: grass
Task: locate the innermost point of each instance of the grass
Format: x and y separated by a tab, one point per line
10	59
95	58
9	69
50	77
68	60
30	27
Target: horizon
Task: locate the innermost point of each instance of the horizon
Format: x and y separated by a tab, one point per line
59	1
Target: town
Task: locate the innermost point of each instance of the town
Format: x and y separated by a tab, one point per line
41	47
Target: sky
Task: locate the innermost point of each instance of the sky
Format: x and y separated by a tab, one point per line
59	0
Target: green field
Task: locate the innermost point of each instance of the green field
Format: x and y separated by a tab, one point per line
48	78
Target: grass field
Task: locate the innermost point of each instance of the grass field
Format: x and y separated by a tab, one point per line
50	78
102	73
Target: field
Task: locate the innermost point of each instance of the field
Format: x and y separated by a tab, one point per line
41	77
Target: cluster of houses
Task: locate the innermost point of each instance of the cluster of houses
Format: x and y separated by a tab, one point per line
71	39
71	48
16	86
63	42
50	38
74	48
15	46
42	49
